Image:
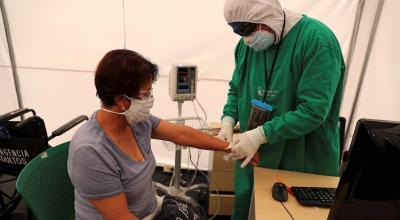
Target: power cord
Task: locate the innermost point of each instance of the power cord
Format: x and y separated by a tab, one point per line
216	190
203	127
205	114
197	164
287	210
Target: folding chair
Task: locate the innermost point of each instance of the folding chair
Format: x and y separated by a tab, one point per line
45	185
20	142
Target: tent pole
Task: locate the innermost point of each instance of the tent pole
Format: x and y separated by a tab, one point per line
354	34
365	64
11	53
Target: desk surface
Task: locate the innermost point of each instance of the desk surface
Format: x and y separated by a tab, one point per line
267	208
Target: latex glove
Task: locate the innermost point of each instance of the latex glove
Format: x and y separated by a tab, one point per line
254	161
247	145
226	131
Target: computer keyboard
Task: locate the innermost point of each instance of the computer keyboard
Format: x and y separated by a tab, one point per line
314	196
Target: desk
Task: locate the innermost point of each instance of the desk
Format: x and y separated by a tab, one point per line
267	208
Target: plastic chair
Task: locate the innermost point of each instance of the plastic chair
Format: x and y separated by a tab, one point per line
45	185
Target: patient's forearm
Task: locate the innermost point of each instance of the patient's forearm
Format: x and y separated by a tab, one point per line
195	138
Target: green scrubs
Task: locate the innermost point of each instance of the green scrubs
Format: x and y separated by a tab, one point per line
305	92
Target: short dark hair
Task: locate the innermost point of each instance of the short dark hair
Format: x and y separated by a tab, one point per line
122	72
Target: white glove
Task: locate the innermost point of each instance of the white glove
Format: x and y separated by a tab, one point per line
226	131
247	145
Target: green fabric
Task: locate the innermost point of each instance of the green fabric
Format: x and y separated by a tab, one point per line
305	92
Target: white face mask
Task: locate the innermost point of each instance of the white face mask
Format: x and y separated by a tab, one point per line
138	111
260	40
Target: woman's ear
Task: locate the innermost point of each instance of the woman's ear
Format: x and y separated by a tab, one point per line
120	101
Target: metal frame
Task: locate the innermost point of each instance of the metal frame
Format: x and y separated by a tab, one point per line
364	65
12	54
176	189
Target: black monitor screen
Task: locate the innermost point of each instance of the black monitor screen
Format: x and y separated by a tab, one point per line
369	186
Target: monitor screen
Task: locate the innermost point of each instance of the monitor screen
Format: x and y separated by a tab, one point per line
369	186
186	80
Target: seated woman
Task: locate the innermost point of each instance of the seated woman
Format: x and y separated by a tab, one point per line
110	159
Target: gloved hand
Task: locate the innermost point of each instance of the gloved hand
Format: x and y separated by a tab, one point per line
247	145
226	131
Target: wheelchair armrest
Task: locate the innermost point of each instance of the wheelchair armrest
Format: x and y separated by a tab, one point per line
16	113
64	128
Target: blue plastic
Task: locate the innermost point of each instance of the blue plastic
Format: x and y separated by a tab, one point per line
261	104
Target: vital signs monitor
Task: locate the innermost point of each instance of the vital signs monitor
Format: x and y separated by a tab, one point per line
183	82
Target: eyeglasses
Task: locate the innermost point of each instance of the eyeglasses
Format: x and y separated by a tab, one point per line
246	29
144	94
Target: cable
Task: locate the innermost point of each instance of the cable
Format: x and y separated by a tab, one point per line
205	114
202	124
188	163
291	216
197	114
202	127
172	179
216	190
197	163
124	19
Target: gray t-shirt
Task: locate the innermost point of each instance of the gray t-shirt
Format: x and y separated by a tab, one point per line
99	169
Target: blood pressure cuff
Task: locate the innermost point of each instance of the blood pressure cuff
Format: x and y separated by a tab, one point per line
173	208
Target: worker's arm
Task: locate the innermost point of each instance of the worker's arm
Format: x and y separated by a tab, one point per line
115	207
231	105
321	79
187	136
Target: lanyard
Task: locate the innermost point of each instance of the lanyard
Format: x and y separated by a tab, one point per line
274	61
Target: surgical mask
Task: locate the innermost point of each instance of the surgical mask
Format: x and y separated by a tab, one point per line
138	111
260	40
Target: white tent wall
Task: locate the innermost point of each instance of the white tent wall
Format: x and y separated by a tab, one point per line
379	95
59	43
7	90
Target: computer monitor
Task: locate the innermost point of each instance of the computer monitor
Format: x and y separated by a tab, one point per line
369	186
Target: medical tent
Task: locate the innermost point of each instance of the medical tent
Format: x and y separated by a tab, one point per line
49	50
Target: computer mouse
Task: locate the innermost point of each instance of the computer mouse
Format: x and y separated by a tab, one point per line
279	192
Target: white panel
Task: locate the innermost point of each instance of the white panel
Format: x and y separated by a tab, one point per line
337	15
380	94
354	70
380	88
8	96
75	34
58	96
50	36
4	56
66	34
182	32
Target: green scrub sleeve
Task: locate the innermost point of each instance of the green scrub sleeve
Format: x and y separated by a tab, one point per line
231	106
321	73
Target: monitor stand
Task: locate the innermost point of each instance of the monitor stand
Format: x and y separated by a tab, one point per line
176	190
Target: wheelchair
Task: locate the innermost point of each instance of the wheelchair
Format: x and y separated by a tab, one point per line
20	141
